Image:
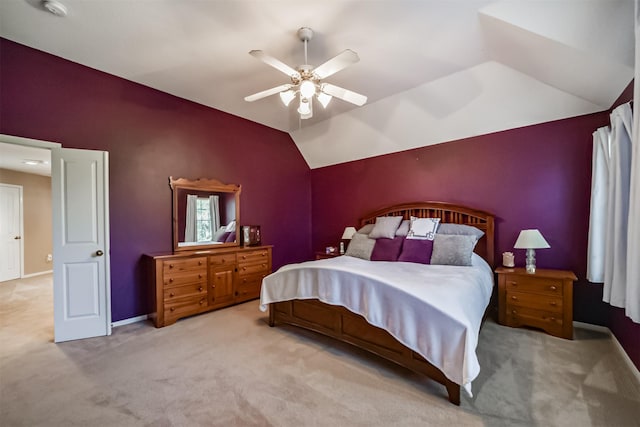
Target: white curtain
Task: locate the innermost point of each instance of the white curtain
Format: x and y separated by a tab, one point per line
190	222
599	196
617	216
214	206
632	307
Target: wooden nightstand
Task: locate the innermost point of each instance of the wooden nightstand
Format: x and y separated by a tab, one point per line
324	255
543	300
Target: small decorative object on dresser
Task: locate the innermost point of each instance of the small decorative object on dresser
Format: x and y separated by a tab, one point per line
327	254
543	299
251	235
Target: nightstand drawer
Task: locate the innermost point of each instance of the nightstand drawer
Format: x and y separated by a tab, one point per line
537	285
518	316
534	301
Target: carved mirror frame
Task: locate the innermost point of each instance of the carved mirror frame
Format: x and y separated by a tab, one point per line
201	185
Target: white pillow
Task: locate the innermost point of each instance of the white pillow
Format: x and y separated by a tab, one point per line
423	228
231	226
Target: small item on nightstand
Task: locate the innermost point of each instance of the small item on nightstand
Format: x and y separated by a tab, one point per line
508	259
330	250
341	248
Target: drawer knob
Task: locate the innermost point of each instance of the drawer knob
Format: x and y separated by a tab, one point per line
264	254
171	280
202	301
223	260
213	286
244	280
264	265
200	289
514	312
244	268
553	287
172	309
171	294
515	298
553	319
553	303
199	276
170	265
244	257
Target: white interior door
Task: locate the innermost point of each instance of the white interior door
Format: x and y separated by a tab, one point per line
10	232
81	278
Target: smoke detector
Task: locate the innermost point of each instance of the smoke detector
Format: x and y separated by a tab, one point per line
55	7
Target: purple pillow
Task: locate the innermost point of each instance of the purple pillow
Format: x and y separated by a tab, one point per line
224	236
416	251
387	249
231	237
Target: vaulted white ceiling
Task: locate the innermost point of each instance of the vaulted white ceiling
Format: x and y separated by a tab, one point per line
433	70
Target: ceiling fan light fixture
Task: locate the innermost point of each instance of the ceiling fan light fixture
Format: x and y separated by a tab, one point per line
305	108
287	96
307	89
324	99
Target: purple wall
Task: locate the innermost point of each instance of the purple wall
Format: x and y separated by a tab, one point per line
532	177
151	135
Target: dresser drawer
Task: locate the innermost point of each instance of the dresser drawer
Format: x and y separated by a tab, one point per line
537	285
222	260
253	257
187	264
179	278
248	290
192	289
253	269
186	306
535	301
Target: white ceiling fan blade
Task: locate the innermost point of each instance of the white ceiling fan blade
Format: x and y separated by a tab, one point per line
344	94
335	64
267	92
275	63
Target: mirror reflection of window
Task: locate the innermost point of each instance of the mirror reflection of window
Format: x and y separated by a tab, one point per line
203	216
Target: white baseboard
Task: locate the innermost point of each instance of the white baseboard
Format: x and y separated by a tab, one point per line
40	273
616	343
129	321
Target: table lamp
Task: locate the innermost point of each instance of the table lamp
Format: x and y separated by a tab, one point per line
531	240
347	235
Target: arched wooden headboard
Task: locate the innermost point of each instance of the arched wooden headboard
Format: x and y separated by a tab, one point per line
448	213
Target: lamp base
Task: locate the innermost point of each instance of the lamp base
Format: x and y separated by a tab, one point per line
531	261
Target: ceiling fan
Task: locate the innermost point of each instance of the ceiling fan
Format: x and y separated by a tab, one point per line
307	81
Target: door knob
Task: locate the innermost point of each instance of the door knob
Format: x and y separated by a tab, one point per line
17	238
99	253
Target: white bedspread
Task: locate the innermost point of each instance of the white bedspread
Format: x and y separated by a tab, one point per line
435	310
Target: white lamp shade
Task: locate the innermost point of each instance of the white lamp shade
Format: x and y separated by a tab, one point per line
348	233
307	89
287	96
324	99
531	239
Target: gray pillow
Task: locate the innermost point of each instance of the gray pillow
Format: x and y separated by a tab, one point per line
445	228
360	246
403	230
366	229
385	227
453	249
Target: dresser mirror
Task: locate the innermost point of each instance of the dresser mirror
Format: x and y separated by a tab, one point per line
206	214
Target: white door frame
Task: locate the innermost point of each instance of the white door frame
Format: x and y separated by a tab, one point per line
20	225
51	146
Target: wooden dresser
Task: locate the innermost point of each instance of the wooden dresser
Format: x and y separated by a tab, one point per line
190	283
542	300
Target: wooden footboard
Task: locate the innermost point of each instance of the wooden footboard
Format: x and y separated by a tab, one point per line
343	325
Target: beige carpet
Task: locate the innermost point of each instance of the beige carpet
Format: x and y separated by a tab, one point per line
228	368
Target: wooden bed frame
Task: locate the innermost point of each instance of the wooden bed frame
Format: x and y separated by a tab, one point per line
343	325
